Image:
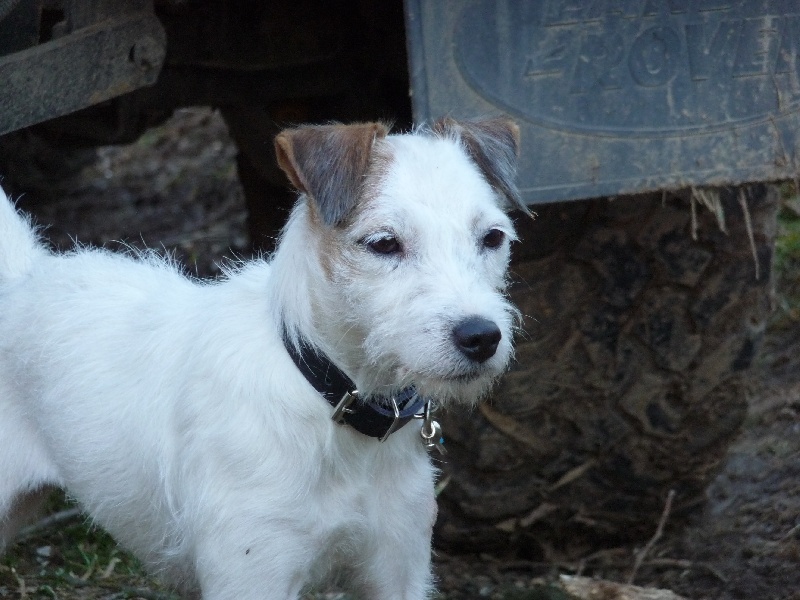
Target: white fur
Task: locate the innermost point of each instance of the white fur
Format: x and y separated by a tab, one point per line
170	409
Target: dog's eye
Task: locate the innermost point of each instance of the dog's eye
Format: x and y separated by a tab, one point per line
387	244
493	239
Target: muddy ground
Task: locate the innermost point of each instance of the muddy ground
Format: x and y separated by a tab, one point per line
176	188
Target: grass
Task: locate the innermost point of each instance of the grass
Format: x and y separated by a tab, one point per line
787	259
73	560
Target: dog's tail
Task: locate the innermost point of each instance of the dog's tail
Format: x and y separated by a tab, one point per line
19	245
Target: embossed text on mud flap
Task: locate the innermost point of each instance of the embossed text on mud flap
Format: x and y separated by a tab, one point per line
619	96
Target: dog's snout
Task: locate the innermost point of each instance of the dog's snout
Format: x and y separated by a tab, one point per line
477	338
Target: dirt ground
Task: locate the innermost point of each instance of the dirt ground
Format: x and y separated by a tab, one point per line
177	188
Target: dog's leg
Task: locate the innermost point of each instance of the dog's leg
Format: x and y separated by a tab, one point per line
24	469
229	566
393	578
399	570
397	564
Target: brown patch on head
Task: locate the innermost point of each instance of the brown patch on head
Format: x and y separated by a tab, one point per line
329	163
493	145
374	179
331	238
371	189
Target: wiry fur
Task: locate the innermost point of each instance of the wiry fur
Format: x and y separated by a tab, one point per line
170	409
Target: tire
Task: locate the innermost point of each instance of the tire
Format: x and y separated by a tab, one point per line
630	379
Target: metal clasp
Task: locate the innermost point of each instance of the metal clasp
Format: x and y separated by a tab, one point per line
431	432
343	407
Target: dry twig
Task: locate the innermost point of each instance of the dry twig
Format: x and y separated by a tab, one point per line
642	554
748	223
589	589
48	522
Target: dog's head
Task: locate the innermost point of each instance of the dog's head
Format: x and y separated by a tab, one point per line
412	241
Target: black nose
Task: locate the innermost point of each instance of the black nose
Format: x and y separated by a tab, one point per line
477	338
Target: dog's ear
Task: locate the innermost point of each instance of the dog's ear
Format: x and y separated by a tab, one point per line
328	163
493	144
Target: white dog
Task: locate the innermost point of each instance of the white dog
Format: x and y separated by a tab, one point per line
194	421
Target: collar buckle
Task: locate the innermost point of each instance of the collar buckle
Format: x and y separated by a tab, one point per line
342	408
395	421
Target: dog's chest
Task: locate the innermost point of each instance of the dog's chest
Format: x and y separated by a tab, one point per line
367	489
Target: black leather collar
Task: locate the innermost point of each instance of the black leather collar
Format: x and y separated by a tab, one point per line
378	419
